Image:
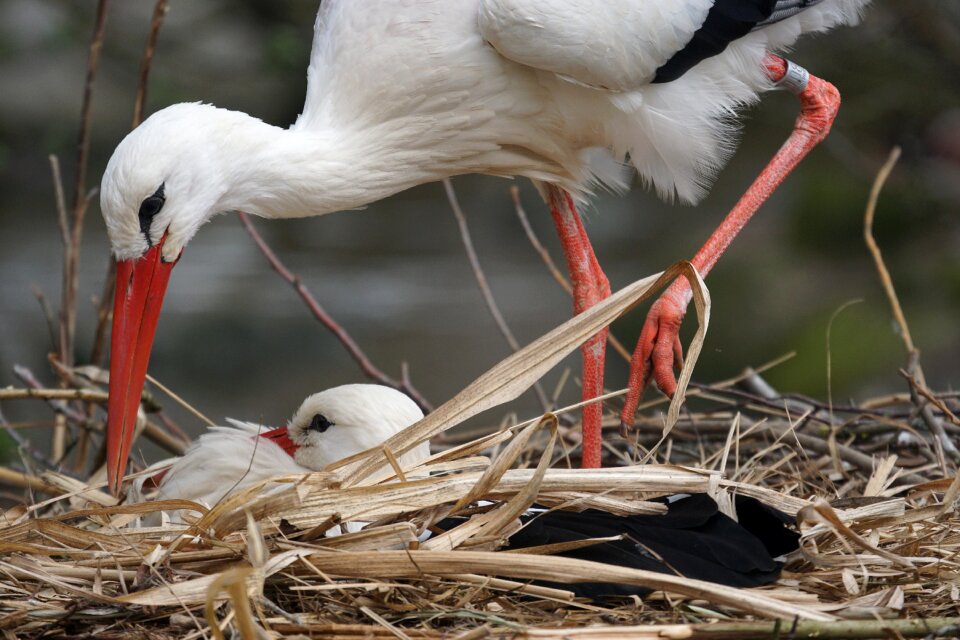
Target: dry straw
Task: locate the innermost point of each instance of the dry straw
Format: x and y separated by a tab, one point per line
257	563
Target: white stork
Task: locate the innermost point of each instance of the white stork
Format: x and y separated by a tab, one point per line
403	92
329	426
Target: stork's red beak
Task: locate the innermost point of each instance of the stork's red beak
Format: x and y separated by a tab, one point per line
141	284
281	437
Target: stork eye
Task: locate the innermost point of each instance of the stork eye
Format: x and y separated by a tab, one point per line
319	423
150	207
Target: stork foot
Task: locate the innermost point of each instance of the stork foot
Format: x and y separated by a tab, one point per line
658	351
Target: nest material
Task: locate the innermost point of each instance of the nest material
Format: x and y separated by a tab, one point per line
258	562
880	556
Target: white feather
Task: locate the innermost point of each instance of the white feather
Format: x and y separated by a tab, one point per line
403	92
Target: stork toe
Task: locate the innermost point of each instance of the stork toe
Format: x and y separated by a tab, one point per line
658	351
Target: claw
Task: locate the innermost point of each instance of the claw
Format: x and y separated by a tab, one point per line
658	351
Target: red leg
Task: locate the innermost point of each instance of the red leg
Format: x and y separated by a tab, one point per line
590	286
659	346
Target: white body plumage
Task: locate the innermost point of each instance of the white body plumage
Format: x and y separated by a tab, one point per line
402	92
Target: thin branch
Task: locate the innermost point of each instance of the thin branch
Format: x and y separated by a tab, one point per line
86	113
47	315
24	445
874	248
945	444
62	222
914	371
160	10
58	439
366	365
929	395
41	393
104	313
57	399
81	197
535	241
183	403
484	285
552	266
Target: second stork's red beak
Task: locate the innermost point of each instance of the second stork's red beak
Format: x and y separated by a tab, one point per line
141	284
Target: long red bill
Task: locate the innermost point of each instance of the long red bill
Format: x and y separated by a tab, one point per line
141	284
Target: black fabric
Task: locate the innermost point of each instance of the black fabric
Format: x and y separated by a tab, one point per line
693	539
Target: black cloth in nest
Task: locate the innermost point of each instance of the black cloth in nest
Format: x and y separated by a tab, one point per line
693	539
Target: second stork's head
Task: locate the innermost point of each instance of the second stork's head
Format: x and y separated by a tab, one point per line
346	420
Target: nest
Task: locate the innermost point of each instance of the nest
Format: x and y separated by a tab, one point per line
873	494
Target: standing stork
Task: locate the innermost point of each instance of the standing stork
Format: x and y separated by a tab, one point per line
403	92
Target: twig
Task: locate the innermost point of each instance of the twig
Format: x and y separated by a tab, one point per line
86	113
552	266
53	394
57	398
160	10
482	282
24	445
58	405
535	242
16	478
874	248
62	221
945	444
929	395
366	366
183	403
80	196
914	370
65	342
47	315
104	312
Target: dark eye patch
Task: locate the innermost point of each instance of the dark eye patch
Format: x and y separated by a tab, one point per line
319	423
150	207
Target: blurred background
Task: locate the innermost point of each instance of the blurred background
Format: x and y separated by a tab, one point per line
236	341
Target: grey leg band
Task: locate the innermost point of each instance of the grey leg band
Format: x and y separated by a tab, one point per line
795	79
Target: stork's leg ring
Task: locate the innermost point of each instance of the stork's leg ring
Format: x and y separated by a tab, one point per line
657	350
590	286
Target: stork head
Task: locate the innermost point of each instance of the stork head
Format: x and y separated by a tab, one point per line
165	180
161	184
345	420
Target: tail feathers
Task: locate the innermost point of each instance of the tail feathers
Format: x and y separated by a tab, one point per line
784	9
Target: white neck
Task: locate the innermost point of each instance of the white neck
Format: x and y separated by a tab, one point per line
293	173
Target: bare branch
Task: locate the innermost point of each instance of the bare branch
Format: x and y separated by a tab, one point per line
86	113
47	315
160	10
484	286
914	372
874	248
81	197
366	366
